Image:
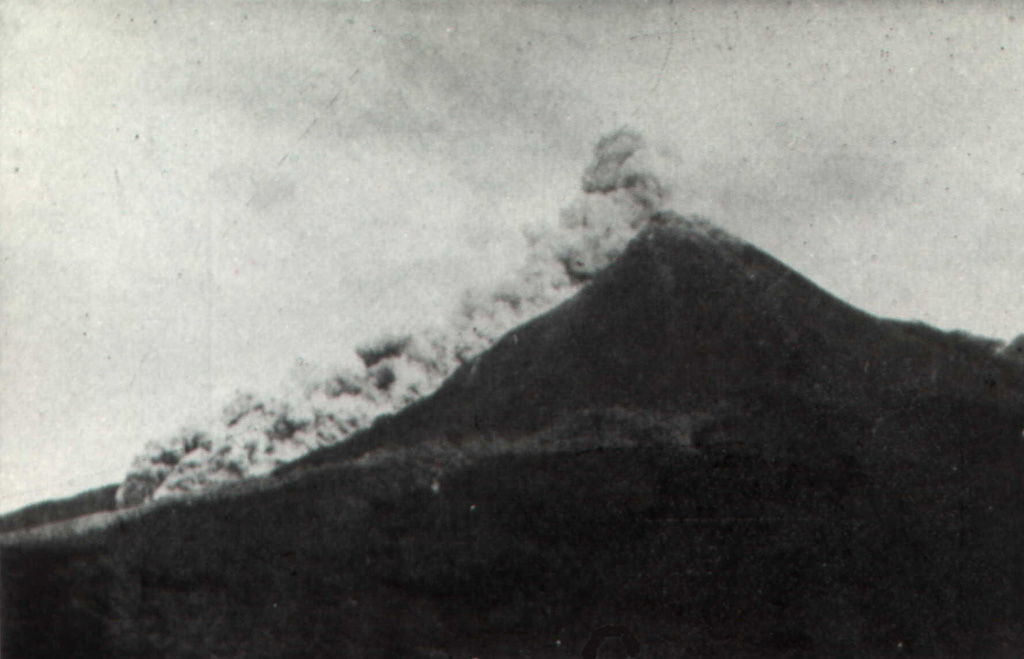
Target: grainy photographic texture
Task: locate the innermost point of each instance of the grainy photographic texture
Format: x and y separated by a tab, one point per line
504	329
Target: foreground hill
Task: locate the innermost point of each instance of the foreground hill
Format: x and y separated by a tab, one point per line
48	512
701	449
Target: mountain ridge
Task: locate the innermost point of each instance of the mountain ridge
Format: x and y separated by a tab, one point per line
679	258
701	447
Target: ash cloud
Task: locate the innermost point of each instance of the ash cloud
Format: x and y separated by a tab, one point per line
619	193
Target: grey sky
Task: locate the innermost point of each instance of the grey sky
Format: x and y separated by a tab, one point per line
196	196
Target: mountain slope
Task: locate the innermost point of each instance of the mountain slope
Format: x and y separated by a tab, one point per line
47	512
701	448
691	319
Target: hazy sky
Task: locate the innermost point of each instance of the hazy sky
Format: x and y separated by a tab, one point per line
198	195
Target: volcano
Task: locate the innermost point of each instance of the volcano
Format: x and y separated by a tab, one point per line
700	454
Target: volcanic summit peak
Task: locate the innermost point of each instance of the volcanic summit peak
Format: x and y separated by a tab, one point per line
695	226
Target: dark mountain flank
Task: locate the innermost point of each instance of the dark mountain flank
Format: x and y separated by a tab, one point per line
693	320
58	510
702	454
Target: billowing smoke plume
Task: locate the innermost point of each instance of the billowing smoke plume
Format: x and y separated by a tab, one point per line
252	437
